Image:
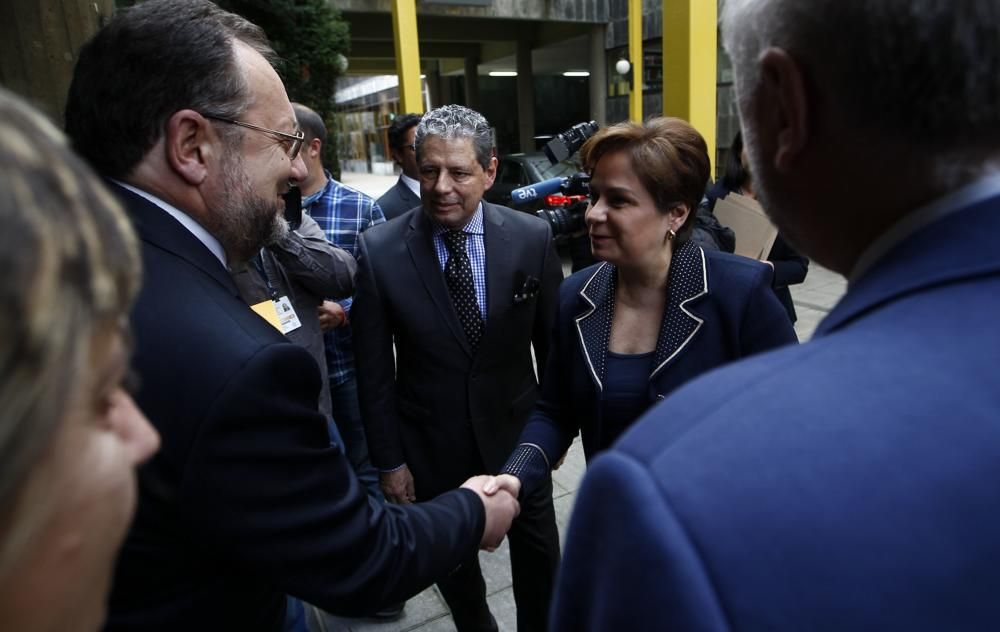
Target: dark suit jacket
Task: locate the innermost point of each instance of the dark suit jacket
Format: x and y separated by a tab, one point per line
845	484
790	268
720	308
444	411
246	500
398	200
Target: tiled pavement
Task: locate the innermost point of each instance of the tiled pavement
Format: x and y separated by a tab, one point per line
427	611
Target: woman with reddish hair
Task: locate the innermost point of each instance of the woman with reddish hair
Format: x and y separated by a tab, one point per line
657	310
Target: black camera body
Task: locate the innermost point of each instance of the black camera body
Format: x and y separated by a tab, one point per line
566	144
567	209
566	197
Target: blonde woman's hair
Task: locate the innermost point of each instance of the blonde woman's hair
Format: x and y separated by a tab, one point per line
70	267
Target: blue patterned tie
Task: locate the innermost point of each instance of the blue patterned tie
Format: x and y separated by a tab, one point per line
458	273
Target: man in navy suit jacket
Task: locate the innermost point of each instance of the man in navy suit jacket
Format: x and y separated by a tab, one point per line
849	483
405	194
246	501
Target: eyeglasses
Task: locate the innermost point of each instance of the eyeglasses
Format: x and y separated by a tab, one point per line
295	139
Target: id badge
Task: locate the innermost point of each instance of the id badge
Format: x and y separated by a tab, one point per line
287	317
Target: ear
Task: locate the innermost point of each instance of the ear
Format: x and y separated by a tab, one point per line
782	107
678	215
314	148
491	172
190	144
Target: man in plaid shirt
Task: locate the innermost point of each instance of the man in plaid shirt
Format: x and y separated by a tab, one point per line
343	213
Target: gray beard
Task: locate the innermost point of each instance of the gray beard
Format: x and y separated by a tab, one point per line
245	222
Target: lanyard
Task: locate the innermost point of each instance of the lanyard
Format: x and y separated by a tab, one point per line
258	262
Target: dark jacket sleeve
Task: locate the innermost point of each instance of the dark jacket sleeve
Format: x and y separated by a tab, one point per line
790	267
312	261
265	491
550	426
376	367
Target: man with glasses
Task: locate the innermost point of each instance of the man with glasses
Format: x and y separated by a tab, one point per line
405	194
175	101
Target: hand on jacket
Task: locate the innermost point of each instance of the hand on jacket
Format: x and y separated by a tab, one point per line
398	486
331	316
501	509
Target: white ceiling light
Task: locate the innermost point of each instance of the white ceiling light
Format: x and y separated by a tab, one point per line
576	73
503	73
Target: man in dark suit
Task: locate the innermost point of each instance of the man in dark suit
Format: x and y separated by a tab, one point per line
246	501
849	483
464	289
405	194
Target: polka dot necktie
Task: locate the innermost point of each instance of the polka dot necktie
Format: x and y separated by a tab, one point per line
458	273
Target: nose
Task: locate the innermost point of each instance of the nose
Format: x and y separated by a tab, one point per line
299	169
133	428
443	183
596	213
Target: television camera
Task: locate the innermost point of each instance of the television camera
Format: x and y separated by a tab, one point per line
565	199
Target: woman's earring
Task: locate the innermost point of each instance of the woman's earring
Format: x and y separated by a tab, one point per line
671	234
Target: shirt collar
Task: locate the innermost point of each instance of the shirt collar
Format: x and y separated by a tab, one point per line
473	227
981	189
185	220
309	199
413	185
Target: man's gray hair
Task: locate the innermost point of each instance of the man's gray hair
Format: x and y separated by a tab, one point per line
455	121
921	72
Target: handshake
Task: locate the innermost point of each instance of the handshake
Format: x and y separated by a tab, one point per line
498	493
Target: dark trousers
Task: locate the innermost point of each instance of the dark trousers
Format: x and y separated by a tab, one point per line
347	415
534	556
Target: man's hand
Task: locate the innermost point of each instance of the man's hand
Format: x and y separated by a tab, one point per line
501	509
398	486
331	316
506	482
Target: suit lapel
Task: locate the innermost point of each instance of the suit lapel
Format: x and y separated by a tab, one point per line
409	198
687	281
593	324
419	243
157	227
499	267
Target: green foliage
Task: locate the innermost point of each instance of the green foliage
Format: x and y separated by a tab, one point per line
310	37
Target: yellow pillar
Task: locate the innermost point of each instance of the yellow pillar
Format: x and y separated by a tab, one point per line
404	29
689	65
635	56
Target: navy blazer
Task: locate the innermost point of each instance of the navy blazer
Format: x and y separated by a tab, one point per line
398	200
720	308
246	501
849	483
